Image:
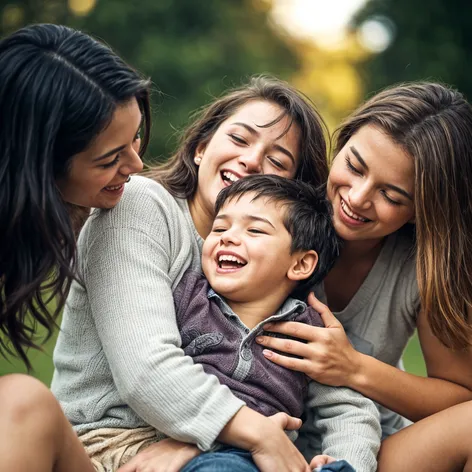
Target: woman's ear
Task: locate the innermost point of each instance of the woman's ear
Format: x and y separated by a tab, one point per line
199	151
303	265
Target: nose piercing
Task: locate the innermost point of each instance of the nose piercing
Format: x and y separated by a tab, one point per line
128	179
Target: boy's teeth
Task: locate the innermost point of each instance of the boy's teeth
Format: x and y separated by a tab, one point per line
230	176
227	257
116	187
348	212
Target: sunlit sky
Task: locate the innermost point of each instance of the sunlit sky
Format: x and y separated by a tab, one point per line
321	20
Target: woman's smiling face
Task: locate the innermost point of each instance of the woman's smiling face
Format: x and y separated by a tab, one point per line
97	176
244	145
371	186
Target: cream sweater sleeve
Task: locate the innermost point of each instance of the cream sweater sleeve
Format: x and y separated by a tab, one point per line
348	424
133	256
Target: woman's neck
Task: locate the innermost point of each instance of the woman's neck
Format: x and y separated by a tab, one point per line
350	271
202	220
353	251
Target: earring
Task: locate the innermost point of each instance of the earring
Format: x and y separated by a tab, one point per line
197	160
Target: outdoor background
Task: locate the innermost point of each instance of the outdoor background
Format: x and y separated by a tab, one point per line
336	51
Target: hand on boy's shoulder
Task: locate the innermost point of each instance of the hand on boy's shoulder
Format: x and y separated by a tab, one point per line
314	318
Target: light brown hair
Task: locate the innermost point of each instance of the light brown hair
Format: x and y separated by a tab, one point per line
179	175
433	124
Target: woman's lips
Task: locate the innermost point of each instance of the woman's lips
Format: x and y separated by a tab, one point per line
349	217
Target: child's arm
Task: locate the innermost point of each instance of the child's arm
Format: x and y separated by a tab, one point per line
347	422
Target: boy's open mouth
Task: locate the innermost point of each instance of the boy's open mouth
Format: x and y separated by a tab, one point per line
230	261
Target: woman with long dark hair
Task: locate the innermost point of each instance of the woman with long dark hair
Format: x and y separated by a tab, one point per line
72	112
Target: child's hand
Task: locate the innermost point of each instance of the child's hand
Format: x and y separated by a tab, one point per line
286	422
321	460
167	455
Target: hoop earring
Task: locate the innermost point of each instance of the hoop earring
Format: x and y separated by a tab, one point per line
128	179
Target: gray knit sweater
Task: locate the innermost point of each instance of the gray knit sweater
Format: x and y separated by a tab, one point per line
118	358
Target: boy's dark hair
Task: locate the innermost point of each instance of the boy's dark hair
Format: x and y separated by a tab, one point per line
307	218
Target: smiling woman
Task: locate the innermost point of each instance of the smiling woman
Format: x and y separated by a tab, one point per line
371	195
259	138
97	175
400	187
65	100
124	314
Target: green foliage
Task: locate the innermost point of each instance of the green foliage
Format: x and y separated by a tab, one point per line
192	51
41	360
432	41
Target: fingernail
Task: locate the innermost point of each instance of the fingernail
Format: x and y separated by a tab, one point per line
268	325
259	339
267	353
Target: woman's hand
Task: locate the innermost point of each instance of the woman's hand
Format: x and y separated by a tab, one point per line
328	357
167	455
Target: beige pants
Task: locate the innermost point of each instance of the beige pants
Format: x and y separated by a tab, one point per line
110	448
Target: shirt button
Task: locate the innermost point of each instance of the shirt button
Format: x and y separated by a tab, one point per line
246	353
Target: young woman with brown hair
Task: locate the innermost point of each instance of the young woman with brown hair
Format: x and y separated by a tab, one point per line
120	375
402	203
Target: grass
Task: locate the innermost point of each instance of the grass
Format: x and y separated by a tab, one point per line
43	368
40	360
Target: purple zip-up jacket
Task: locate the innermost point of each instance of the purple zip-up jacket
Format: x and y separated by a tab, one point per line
214	336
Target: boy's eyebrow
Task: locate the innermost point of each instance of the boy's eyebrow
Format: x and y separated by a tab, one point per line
254	132
246	217
390	186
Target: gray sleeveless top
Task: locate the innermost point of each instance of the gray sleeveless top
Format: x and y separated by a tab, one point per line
381	317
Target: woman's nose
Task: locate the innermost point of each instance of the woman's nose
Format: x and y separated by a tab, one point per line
133	163
252	161
359	196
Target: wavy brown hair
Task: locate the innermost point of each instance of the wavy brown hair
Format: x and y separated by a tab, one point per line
179	174
433	124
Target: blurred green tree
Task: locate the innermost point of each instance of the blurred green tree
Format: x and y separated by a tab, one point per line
192	50
430	40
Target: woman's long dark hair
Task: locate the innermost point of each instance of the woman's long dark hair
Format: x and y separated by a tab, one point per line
59	89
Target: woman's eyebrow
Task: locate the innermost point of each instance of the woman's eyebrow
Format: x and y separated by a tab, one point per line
390	186
276	146
399	190
119	148
358	156
109	153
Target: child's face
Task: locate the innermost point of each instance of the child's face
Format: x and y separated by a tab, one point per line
247	253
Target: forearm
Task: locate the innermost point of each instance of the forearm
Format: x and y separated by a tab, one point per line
246	429
409	395
133	313
349	425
